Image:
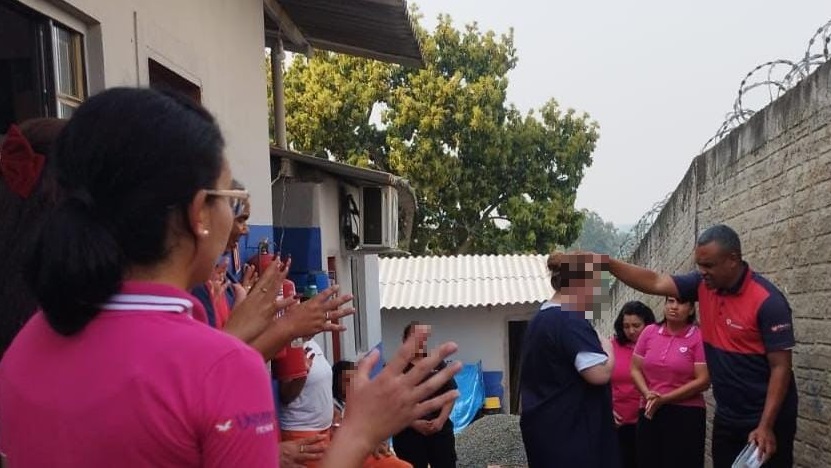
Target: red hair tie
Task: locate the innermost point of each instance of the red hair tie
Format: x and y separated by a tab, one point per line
20	165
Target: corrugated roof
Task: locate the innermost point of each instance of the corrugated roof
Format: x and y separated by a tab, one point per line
376	29
463	281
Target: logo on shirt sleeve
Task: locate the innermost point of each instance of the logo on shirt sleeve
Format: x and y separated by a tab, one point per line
224	427
780	327
260	423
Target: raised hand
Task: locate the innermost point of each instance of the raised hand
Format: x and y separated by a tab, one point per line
391	401
316	315
250	277
257	311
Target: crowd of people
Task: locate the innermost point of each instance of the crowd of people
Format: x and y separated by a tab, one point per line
127	343
636	399
131	335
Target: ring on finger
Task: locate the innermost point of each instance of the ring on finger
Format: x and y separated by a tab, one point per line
302	448
264	289
327	316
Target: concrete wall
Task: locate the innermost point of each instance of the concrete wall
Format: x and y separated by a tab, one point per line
771	181
480	332
215	44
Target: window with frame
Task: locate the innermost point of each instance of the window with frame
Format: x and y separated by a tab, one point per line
42	69
70	86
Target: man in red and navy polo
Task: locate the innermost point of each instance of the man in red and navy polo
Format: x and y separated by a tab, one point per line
747	327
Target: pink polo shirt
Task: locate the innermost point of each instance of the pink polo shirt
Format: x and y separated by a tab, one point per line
625	395
669	360
144	384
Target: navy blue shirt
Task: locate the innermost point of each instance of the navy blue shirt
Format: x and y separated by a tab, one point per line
739	326
565	420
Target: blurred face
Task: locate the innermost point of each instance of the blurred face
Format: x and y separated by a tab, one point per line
579	294
240	226
346	380
421	345
585	294
676	312
718	268
632	327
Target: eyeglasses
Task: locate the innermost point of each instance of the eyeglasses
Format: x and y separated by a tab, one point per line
233	196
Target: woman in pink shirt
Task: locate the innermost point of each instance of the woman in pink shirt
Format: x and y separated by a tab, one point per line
634	316
114	370
669	370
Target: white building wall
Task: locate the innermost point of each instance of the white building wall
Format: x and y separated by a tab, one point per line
480	332
216	44
332	246
366	286
372	300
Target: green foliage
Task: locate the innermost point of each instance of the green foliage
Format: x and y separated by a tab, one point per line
598	236
489	178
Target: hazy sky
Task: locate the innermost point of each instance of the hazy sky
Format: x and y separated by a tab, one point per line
658	76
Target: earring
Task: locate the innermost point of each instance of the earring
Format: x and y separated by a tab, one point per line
205	232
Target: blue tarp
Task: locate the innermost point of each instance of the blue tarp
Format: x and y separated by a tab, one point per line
471	396
379	366
471	385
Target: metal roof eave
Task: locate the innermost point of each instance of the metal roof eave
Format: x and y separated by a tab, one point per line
376	29
360	174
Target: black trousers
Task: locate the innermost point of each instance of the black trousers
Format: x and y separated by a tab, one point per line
674	437
437	450
730	439
627	443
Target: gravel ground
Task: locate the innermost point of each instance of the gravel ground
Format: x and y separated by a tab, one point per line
491	440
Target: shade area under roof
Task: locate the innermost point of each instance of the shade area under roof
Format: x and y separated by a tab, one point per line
376	29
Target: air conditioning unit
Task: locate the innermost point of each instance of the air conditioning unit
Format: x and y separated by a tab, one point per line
379	217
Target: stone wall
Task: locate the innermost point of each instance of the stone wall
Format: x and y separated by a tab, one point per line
770	179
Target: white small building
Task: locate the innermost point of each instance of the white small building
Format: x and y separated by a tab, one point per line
481	302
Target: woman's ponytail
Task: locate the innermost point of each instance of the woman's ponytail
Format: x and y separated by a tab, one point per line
76	264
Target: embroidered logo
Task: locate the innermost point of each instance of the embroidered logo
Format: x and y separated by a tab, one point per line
260	423
780	327
731	324
683	349
265	428
224	427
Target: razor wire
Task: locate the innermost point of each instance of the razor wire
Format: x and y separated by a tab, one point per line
776	77
641	228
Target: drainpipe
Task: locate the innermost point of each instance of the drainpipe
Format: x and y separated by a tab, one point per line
277	56
279	94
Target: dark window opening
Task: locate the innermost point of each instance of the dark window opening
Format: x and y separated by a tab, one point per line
516	334
373	216
162	77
